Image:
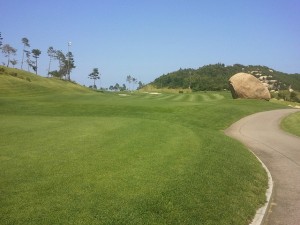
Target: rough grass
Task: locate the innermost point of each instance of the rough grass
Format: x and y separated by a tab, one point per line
72	156
16	82
292	124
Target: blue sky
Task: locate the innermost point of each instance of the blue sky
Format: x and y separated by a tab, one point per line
146	39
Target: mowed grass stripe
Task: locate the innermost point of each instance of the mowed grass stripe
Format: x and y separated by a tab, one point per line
206	97
164	96
183	97
167	97
216	96
202	97
153	96
192	98
180	97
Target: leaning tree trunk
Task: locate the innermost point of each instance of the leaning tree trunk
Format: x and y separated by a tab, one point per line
8	60
36	66
22	60
49	67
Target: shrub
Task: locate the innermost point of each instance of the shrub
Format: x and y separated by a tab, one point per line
294	97
28	79
2	70
274	95
288	96
285	95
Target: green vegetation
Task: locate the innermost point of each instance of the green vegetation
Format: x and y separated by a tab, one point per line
286	95
95	75
8	51
292	124
151	88
215	77
21	83
69	155
26	44
1	39
65	61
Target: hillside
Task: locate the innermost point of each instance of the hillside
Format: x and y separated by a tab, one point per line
19	82
215	77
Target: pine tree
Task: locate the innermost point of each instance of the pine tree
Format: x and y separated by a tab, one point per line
36	53
25	42
95	75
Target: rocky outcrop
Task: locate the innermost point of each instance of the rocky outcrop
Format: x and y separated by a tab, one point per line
244	85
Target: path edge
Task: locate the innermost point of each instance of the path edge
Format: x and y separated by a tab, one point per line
261	213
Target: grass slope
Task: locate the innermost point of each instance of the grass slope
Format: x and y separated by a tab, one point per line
101	158
21	83
292	124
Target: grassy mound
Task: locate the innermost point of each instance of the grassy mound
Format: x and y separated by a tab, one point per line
19	82
71	156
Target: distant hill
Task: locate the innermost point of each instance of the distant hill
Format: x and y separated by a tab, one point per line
215	77
15	82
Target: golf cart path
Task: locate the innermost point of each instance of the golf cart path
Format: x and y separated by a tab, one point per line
280	152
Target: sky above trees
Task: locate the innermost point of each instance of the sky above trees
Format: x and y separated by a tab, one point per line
146	39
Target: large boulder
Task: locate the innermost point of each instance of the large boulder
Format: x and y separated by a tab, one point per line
244	85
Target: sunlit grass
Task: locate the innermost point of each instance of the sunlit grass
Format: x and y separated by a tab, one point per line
68	157
292	124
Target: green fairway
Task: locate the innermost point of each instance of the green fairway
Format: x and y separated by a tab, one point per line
292	124
72	156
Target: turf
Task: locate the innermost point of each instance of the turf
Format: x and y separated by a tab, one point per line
291	124
69	155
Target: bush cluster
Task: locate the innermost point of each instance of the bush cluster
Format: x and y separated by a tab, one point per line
287	96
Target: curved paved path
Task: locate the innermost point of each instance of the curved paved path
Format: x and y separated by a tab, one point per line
280	152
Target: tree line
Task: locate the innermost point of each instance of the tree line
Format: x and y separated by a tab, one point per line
215	77
132	81
30	57
123	87
65	62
